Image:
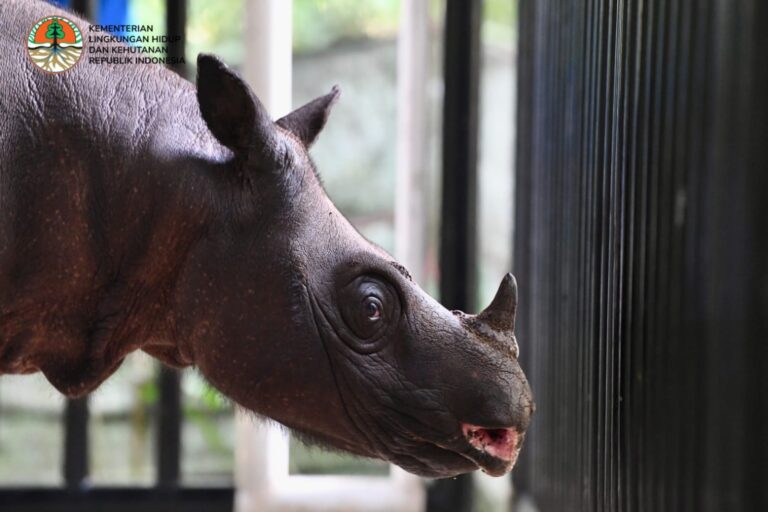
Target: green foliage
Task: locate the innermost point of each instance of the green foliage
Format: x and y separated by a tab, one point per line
500	22
203	403
148	392
312	460
209	429
55	31
213	400
148	12
320	24
217	27
500	11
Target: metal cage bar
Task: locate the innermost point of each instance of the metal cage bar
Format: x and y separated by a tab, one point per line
169	380
83	7
458	229
76	443
117	499
642	253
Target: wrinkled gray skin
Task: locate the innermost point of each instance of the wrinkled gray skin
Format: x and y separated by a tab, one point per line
141	212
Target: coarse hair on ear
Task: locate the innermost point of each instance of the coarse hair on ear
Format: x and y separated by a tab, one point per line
234	115
307	122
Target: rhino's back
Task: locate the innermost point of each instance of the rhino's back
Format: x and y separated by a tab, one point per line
101	99
85	155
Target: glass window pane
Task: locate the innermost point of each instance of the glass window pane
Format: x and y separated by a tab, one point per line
356	151
122	425
496	142
495	182
208	433
31	431
311	460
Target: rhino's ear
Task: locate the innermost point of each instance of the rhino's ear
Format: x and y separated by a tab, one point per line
232	112
308	121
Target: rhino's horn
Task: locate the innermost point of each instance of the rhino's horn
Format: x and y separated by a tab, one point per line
232	112
500	314
307	121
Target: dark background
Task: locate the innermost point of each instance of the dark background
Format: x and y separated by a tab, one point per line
642	253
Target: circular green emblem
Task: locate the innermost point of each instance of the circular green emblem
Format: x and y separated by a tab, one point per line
55	44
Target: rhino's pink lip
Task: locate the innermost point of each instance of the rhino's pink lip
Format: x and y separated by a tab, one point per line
498	447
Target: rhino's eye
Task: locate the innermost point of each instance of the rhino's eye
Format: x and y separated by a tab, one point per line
373	308
369	307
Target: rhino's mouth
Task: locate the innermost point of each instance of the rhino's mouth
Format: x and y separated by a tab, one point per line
494	450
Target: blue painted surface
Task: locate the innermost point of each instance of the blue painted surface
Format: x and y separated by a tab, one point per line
113	12
110	12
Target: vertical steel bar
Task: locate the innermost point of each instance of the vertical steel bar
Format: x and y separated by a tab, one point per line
458	237
76	443
84	8
169	413
521	263
169	429
176	26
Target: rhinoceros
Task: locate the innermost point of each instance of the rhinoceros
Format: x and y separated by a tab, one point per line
142	212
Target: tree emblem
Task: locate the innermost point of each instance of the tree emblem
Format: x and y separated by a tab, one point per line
55	44
55	32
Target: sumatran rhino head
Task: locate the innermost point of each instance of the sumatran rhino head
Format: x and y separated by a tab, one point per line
294	315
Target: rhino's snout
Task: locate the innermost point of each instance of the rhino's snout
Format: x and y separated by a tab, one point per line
495	408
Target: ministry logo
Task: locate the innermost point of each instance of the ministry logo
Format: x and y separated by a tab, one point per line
55	44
